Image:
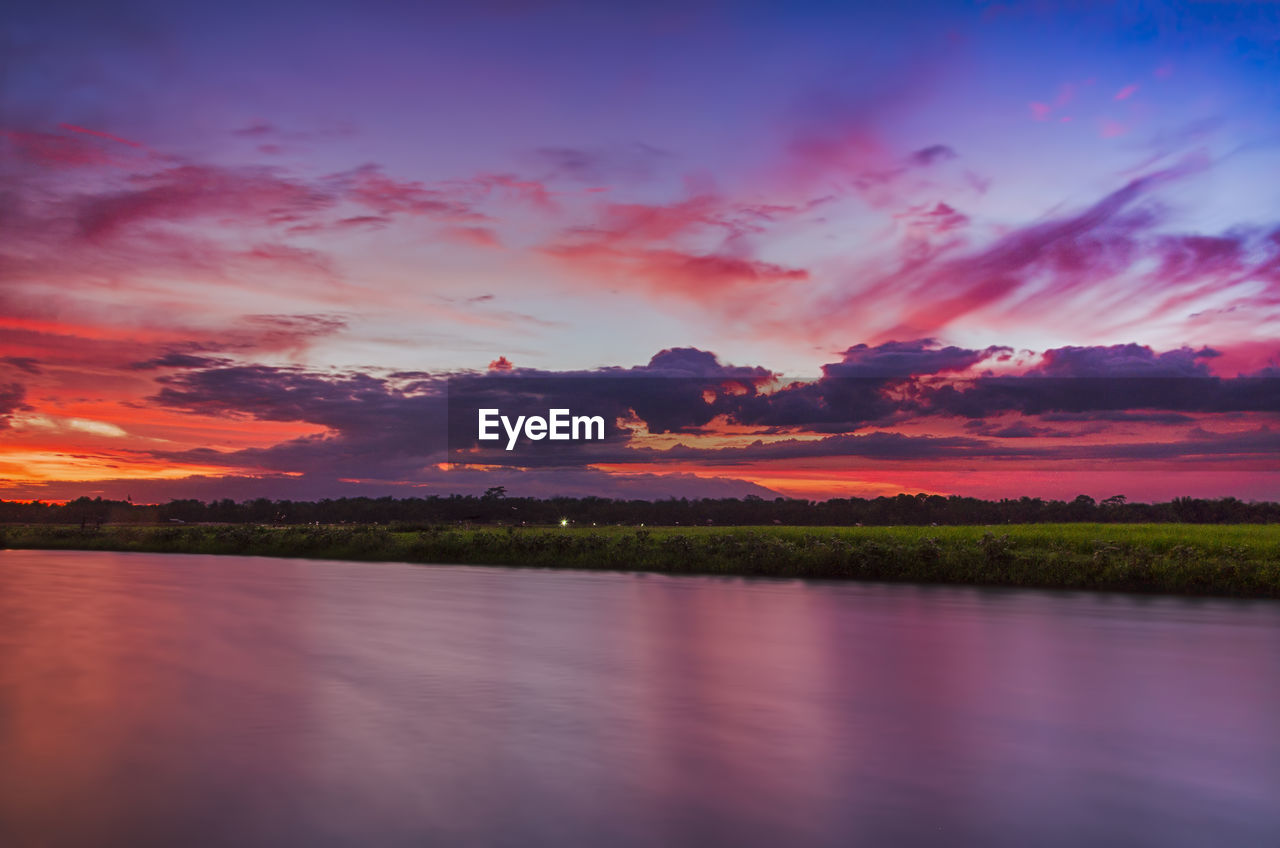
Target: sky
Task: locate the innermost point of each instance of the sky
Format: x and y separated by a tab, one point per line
991	249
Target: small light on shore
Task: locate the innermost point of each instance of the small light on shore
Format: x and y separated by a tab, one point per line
564	522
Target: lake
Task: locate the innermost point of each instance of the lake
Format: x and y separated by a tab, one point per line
155	699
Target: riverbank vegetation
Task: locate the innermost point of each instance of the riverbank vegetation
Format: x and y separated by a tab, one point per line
1227	560
498	508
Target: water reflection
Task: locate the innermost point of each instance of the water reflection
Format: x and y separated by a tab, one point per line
150	699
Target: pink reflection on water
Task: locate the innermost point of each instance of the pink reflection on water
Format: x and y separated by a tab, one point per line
202	700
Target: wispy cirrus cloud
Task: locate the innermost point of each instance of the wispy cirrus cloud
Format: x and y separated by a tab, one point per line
190	191
1063	260
697	249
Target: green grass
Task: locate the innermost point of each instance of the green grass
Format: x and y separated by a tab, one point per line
1231	560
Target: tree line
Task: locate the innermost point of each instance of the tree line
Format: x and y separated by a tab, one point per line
495	507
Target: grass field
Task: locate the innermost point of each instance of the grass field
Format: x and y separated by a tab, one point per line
1231	560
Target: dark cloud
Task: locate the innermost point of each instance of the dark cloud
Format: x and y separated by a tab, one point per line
601	165
1017	430
883	446
1033	395
692	362
933	153
180	360
12	397
1259	447
886	383
395	427
1127	360
684	388
397	430
537	483
370	221
375	428
871	446
26	364
344	402
257	129
679	390
907	359
1114	417
1109	383
858	390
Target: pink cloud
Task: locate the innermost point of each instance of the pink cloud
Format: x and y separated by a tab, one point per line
1041	110
100	134
252	196
363	221
644	222
533	192
701	277
1059	258
852	150
369	187
1112	129
478	236
282	257
938	218
1247	357
664	247
52	150
1126	92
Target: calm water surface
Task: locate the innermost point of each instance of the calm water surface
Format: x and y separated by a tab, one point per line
150	699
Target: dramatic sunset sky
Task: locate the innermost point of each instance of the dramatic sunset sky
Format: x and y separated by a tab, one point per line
1005	248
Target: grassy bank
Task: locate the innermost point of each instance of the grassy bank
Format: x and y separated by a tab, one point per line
1230	560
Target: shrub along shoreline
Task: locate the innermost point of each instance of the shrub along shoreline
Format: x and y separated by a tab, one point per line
1223	560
